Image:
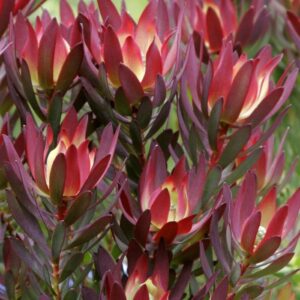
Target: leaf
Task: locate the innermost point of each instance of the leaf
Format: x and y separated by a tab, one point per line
27	222
221	290
58	239
244	167
142	227
160	119
46	55
144	113
213	123
181	282
103	262
211	185
252	290
273	267
90	231
159	91
216	243
265	249
26	257
71	265
250	229
78	208
54	113
70	69
57	183
135	134
121	104
71	295
29	91
131	85
235	146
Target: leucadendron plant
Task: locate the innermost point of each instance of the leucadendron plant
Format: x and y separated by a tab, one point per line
139	158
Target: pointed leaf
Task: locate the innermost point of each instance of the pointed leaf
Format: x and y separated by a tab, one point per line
78	208
90	231
58	239
57	183
71	265
235	145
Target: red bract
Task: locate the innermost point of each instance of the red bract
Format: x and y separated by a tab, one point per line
293	23
8	7
270	166
171	199
259	229
134	54
249	95
52	61
79	168
217	20
142	286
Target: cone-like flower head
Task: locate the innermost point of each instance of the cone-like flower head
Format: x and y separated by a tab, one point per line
171	199
136	52
249	95
51	59
259	229
71	166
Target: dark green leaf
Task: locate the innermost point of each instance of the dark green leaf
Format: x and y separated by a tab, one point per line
57	183
213	123
78	208
235	146
90	231
245	166
121	103
58	239
71	265
144	113
135	133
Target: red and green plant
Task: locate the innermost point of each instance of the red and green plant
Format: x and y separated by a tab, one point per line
139	158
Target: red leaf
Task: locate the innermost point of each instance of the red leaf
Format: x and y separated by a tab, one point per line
142	227
112	55
153	66
160	209
265	249
46	55
96	174
168	233
276	224
57	183
294	206
238	92
214	30
109	13
72	181
131	85
249	232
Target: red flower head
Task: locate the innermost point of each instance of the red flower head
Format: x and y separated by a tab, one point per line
217	20
8	7
270	166
259	229
71	162
245	85
146	278
53	60
142	286
172	198
134	54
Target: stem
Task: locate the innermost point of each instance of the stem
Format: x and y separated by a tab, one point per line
56	280
61	210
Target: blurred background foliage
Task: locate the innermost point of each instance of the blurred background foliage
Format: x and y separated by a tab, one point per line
292	120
